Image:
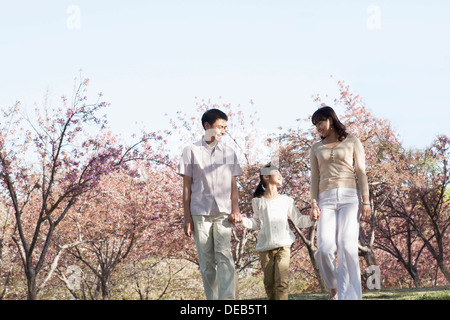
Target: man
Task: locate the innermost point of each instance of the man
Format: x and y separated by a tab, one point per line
210	200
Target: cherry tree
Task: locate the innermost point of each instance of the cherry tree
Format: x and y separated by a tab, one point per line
430	221
46	164
115	222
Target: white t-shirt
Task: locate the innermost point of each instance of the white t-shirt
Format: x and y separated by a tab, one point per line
270	217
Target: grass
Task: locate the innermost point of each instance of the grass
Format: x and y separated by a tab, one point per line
426	293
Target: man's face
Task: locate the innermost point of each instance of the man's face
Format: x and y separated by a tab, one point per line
216	131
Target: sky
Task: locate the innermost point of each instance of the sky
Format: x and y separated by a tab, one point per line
153	57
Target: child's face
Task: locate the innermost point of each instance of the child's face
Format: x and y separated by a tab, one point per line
275	178
216	131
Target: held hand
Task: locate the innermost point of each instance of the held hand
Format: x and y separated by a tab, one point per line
315	212
235	217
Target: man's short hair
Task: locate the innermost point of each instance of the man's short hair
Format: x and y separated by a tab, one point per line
212	115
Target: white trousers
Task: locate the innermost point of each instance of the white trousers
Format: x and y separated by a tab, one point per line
212	236
338	231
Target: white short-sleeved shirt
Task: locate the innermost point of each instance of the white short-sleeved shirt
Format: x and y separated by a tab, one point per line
211	171
270	217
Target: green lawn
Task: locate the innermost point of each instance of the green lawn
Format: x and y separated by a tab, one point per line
429	293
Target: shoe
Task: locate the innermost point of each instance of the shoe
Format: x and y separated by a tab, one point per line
333	296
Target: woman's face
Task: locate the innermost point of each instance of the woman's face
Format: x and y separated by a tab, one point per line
324	127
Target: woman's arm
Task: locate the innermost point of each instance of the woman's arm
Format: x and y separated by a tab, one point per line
314	191
360	170
300	220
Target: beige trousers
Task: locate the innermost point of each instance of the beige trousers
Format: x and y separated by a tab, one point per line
275	265
212	236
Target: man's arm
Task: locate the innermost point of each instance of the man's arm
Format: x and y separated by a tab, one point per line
188	224
235	216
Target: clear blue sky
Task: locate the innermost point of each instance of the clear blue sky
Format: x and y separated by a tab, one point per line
151	57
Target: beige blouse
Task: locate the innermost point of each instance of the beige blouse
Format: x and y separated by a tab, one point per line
340	167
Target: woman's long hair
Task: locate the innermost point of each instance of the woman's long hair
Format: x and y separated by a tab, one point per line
261	188
326	112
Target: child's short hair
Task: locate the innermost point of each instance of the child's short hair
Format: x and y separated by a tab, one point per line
212	115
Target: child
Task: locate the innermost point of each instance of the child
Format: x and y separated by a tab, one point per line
271	211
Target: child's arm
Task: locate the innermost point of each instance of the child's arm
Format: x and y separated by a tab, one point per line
255	222
300	220
251	223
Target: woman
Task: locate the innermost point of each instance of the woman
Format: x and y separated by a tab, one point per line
338	179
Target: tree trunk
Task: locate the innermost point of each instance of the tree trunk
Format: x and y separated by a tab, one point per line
311	250
415	275
237	256
320	279
31	284
444	269
236	282
104	287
